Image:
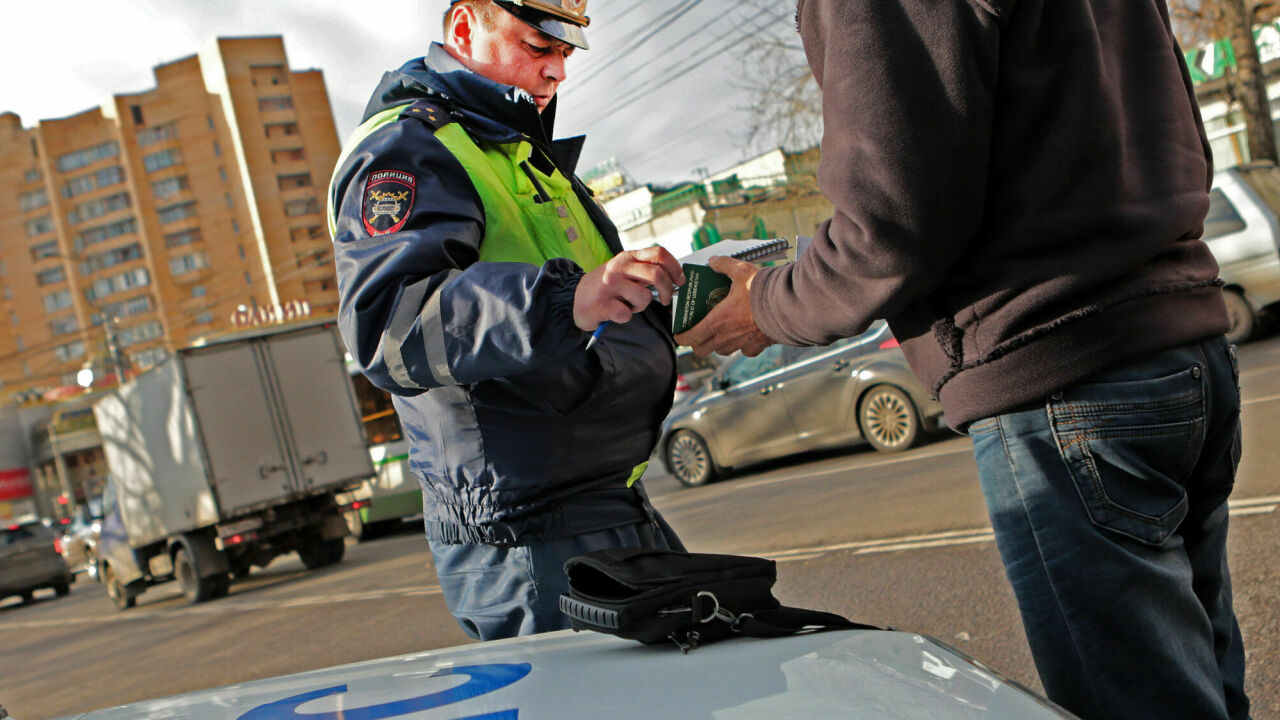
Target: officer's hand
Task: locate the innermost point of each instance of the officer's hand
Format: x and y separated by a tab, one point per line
730	325
620	288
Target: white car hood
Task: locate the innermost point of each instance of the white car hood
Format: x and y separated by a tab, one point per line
846	674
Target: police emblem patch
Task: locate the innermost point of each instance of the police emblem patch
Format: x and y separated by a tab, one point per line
388	198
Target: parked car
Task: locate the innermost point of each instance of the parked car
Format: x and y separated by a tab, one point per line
30	560
80	542
788	400
1243	232
692	371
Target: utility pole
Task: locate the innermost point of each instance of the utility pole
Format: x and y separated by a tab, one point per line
113	346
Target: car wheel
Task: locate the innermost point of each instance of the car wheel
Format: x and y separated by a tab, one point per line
63	589
195	589
1243	318
28	596
118	593
689	459
888	419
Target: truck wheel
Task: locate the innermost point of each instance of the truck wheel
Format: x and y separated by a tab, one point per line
119	594
1243	318
195	589
316	552
888	419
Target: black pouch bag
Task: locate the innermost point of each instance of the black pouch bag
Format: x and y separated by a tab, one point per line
652	595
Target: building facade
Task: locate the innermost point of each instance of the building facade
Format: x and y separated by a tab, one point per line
164	216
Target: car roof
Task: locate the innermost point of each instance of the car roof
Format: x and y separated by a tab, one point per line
850	673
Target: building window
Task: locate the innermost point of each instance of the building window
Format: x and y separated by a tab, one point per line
247	279
151	136
98	234
173	213
64	326
136	111
230	203
103	287
301	206
33	200
187	263
89	182
162	159
183	237
217	149
222	173
70	351
109	258
39	226
235	226
274	104
241	249
209	119
311	232
167	188
139	333
204	318
98	208
199	291
291	155
49	277
45	250
61	300
128	308
88	156
293	182
281	129
31	176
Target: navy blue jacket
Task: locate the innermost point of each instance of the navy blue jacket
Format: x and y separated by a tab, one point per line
516	431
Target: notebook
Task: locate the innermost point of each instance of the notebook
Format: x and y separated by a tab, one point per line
704	288
749	250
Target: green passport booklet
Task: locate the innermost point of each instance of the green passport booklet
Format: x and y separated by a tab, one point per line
703	289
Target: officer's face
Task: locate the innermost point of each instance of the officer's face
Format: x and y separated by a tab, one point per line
512	53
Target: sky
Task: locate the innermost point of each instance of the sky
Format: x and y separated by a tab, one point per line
665	101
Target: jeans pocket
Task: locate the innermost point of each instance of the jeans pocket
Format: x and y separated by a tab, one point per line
1130	447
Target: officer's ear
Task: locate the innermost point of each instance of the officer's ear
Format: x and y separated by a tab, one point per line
461	28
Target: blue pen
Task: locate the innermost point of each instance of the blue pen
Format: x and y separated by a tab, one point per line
600	328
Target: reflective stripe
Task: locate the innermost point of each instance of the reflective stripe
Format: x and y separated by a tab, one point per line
637	473
433	335
398	331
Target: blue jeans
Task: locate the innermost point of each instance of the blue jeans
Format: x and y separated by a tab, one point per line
503	591
1109	504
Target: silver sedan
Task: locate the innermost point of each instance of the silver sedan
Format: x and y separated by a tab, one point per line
789	400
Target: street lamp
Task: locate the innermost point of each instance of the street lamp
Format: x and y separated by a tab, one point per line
84	378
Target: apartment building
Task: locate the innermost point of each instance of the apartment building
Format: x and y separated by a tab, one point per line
163	216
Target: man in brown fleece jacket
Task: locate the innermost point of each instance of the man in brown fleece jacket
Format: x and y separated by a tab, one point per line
1020	188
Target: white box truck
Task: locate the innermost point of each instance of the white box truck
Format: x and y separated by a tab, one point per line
225	456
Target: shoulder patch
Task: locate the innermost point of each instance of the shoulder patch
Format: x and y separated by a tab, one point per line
388	198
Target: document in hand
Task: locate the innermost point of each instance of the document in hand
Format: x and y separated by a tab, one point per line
704	288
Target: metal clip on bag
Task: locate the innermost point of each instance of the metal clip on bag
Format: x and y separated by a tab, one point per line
653	595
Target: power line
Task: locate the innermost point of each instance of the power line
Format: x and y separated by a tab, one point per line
663	81
673	15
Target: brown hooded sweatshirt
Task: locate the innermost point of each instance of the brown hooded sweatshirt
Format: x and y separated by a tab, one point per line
1019	188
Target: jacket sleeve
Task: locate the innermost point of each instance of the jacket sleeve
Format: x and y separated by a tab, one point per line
908	95
416	308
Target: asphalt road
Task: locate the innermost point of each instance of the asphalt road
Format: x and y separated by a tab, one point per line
896	540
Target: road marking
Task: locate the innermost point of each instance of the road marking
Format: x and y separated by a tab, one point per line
229	605
955	538
1264	398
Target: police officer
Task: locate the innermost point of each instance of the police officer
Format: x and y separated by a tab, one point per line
472	266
